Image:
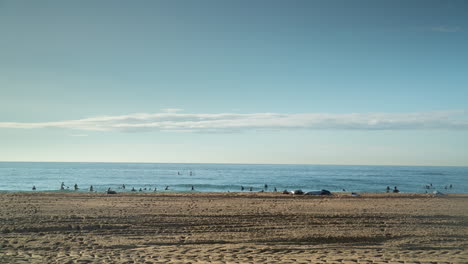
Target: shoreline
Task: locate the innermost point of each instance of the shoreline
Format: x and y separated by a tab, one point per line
66	227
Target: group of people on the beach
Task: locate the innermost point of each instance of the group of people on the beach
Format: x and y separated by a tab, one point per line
265	188
395	190
192	188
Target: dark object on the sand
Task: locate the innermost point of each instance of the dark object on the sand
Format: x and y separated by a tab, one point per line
109	191
297	192
355	194
285	192
321	192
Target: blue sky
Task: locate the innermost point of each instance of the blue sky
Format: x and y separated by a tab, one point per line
316	82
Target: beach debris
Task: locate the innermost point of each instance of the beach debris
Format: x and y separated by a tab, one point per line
109	191
285	192
297	192
438	193
355	194
321	192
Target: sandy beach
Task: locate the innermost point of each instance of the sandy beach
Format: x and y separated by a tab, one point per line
232	228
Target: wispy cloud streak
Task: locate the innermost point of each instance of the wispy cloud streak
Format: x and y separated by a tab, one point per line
232	122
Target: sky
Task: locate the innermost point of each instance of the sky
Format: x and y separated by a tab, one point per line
277	82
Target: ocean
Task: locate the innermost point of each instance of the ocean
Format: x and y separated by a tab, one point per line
48	176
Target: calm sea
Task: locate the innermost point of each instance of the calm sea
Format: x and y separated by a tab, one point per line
48	176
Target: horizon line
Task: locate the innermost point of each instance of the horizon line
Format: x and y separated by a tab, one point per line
236	163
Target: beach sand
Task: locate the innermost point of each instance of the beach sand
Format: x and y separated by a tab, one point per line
232	228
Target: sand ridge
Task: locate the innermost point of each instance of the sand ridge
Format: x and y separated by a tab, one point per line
232	228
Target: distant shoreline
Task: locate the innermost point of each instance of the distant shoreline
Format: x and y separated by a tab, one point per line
235	163
242	194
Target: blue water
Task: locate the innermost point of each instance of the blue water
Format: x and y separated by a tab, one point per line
47	176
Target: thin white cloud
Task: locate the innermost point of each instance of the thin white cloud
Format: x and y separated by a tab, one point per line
172	110
233	122
445	29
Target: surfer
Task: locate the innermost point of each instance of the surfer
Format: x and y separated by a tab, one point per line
123	186
133	189
395	190
167	188
275	189
75	186
242	188
62	186
388	188
193	188
34	187
91	189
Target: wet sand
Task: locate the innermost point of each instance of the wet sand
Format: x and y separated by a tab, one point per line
232	228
